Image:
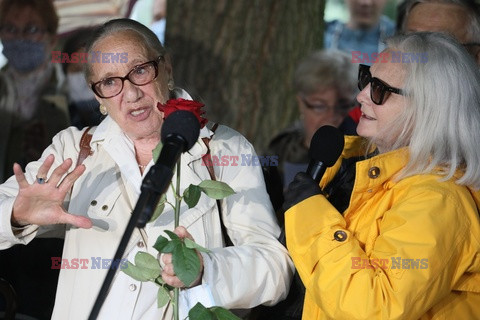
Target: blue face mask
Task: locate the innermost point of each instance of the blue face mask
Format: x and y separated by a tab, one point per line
24	55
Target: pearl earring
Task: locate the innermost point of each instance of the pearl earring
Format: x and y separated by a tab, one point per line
103	109
171	85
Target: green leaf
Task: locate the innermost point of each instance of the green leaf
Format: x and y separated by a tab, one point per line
172	235
156	151
135	272
199	312
166	246
216	189
223	314
147	267
186	264
160	243
193	245
159	209
163	296
159	281
191	195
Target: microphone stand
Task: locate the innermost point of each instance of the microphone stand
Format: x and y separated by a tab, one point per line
154	185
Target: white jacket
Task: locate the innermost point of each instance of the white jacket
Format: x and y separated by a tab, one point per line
257	270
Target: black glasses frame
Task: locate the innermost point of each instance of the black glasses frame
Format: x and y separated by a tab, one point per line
127	77
365	78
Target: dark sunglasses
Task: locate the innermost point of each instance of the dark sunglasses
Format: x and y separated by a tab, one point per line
379	90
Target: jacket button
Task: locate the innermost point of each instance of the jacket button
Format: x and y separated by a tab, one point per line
132	287
374	172
340	235
104	207
140	244
93	203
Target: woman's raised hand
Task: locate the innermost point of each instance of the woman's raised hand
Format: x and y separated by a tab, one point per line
41	203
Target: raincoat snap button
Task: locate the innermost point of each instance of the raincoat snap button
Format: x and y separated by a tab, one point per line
374	172
340	235
93	203
105	207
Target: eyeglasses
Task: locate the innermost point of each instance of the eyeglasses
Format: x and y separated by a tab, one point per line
319	109
379	90
140	75
29	32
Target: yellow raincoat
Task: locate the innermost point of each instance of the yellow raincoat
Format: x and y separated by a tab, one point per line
407	249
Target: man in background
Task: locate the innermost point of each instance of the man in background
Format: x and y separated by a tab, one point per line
365	30
459	18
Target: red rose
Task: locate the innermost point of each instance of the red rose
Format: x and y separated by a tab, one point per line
194	107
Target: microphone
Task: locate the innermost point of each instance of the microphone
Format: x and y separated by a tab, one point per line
325	148
180	131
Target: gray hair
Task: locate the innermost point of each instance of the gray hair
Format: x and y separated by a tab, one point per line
324	69
471	8
441	119
151	42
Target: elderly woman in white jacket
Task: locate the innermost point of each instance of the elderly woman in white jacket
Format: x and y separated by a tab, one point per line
94	213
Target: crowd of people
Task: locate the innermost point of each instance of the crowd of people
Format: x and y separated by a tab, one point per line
391	230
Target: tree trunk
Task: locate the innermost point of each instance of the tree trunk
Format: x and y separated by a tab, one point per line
238	57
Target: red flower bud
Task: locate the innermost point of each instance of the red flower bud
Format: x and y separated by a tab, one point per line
181	104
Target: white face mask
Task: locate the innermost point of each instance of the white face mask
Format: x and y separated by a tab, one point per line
78	89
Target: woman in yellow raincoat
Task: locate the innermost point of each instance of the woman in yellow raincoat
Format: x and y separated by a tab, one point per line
393	230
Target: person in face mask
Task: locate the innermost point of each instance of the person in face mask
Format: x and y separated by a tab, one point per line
32	107
82	105
32	110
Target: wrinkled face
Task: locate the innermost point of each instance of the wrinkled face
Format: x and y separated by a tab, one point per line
319	109
135	107
365	13
377	120
439	17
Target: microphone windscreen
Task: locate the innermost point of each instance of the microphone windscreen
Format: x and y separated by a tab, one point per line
326	145
182	123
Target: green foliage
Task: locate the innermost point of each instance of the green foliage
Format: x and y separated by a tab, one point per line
146	267
185	259
159	209
216	189
191	195
199	312
156	151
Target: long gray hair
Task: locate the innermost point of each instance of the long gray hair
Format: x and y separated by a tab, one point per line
441	119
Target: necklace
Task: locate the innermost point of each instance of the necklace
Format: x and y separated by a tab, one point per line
142	166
